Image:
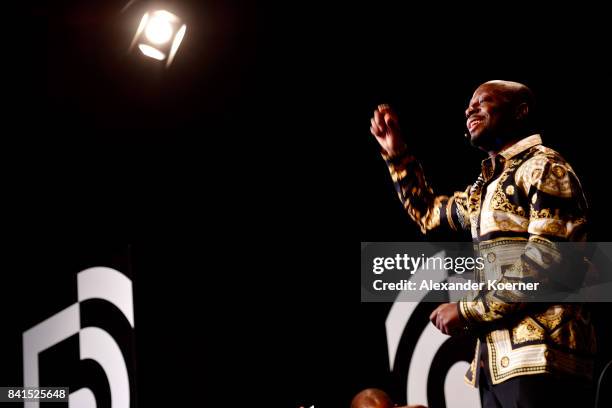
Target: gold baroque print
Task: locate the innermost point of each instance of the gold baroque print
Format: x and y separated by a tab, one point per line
500	201
552	317
558	171
543	213
556	180
527	330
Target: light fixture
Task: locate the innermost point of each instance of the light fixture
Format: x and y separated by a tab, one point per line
159	35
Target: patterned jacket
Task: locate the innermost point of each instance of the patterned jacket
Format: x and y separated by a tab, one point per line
524	203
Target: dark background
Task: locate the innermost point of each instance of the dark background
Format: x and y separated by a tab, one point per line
254	148
119	142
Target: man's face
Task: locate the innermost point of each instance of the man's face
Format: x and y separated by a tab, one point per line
489	115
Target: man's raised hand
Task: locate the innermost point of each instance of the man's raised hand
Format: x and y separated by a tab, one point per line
384	126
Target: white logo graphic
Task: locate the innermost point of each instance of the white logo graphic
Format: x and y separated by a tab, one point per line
94	343
425	350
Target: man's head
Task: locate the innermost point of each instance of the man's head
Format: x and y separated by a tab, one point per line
372	398
499	113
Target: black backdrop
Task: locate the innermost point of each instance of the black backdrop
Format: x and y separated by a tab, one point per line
254	147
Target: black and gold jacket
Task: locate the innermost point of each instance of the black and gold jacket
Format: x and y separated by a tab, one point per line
526	200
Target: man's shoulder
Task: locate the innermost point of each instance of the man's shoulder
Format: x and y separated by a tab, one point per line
547	170
545	152
542	157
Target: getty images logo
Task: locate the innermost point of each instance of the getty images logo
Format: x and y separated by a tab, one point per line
96	344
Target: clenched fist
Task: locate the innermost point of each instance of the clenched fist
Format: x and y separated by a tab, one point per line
384	126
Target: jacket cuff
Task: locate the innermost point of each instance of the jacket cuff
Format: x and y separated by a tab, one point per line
403	157
466	315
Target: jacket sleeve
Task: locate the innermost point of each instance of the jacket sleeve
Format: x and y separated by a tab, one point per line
428	210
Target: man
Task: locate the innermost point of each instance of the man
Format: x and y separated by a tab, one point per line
372	398
526	200
375	398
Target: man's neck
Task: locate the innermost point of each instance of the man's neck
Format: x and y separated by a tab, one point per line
502	144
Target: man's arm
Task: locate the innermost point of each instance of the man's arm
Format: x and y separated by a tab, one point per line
427	210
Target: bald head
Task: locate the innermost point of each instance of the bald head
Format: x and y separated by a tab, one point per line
372	398
510	85
514	91
500	112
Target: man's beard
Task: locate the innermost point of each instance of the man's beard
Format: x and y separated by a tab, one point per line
484	140
495	141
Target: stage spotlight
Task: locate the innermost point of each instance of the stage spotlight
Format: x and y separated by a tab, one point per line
159	35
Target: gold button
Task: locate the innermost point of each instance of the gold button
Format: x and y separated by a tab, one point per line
558	171
510	190
491	257
505	361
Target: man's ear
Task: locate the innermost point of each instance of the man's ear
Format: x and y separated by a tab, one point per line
522	111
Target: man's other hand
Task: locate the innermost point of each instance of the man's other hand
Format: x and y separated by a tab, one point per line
446	318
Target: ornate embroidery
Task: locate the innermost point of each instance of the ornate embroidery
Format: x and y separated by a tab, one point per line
527	330
552	317
558	171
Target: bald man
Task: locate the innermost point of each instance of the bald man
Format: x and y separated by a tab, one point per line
526	200
372	398
375	398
